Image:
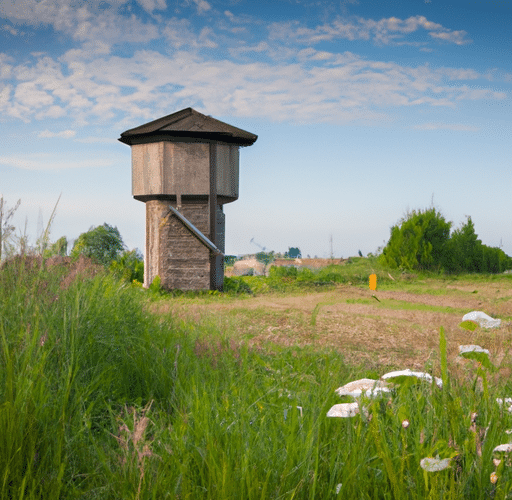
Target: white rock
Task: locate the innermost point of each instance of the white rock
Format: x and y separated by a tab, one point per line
344	410
465	349
408	373
364	387
434	464
503	448
482	319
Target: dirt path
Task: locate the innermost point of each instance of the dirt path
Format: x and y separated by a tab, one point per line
400	328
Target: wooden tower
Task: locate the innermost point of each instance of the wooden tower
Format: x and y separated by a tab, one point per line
185	166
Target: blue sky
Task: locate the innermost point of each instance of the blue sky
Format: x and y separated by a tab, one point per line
363	110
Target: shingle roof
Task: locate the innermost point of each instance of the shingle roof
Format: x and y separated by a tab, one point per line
188	123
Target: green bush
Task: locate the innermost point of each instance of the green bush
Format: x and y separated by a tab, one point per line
422	241
129	266
102	243
418	241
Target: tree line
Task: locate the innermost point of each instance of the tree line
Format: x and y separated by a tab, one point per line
422	241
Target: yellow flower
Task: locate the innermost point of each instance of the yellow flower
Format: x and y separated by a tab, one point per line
494	478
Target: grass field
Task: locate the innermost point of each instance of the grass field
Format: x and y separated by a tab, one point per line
110	392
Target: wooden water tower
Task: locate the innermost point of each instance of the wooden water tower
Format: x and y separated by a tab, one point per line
184	168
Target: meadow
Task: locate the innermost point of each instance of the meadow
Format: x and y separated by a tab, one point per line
110	391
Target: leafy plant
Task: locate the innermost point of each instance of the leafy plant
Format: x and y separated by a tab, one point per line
102	243
418	241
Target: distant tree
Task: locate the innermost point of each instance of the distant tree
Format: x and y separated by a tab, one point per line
102	243
265	257
466	253
418	241
293	253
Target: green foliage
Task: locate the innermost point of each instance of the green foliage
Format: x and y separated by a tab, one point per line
265	257
422	241
229	260
236	285
418	241
60	247
101	399
129	266
102	243
293	253
283	272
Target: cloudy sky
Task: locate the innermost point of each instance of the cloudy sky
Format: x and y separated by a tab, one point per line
364	109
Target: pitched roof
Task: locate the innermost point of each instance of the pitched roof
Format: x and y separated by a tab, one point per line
187	123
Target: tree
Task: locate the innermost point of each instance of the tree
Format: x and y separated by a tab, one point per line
466	253
418	241
293	253
265	257
6	229
102	243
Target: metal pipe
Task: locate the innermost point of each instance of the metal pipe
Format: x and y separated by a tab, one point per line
198	234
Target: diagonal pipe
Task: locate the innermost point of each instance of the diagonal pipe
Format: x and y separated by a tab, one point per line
198	234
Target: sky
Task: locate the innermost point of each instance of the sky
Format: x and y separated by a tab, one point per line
364	110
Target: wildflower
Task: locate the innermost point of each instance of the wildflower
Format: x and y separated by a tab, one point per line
496	461
507	401
400	376
338	488
494	478
405	424
344	410
366	386
434	464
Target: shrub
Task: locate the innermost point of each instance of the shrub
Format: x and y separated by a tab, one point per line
418	242
103	243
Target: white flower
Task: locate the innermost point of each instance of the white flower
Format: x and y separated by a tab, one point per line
405	424
507	401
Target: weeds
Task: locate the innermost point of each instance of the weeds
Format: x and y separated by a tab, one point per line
101	399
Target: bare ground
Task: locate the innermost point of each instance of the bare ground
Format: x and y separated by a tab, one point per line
382	328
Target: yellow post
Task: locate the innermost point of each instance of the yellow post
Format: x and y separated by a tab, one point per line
373	282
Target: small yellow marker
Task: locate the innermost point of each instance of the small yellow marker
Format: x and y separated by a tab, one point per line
373	282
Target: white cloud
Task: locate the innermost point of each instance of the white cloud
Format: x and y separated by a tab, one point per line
456	127
457	37
151	5
385	31
202	6
48	161
319	86
64	134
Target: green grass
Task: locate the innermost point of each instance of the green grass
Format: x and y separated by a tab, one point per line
99	399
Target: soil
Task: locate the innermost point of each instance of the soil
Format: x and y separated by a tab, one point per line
382	328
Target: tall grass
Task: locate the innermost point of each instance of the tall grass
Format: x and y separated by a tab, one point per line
99	399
